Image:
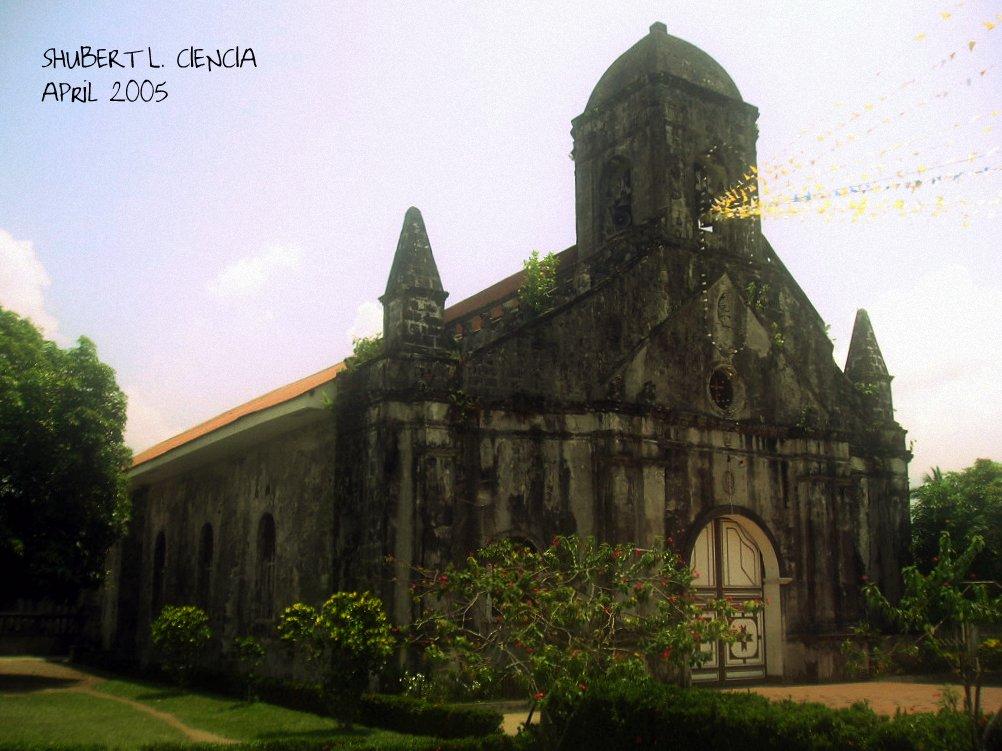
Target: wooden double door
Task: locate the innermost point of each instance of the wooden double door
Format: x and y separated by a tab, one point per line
728	564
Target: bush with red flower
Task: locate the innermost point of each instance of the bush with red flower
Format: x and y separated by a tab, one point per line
556	619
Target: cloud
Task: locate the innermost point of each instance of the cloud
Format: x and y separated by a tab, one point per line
23	281
248	275
939	338
368	320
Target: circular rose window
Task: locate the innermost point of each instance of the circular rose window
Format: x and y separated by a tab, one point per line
722	388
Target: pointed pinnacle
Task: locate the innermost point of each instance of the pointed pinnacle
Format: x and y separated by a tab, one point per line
413	263
864	363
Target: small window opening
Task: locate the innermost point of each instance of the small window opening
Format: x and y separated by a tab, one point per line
722	388
159	566
617	196
266	567
206	545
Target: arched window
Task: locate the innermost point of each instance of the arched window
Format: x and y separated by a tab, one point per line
265	567
617	196
159	565
203	579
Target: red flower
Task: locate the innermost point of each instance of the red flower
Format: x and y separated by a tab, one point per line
616	553
638	551
864	578
538	696
666	653
583	686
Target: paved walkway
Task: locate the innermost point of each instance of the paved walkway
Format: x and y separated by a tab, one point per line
885	697
19	674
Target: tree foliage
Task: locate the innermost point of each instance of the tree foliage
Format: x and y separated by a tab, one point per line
947	613
247	654
965	504
63	497
365	348
539	281
346	640
557	619
180	635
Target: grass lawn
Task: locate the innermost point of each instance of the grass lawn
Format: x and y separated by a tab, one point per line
49	712
67	717
236	719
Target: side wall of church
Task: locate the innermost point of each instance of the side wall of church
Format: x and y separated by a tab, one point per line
250	575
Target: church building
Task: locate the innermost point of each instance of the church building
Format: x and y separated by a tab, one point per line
678	384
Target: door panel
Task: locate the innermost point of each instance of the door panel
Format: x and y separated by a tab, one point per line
729	564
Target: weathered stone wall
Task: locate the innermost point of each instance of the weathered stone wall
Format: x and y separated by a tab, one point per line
288	477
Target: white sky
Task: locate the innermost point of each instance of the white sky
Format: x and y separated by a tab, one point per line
235	236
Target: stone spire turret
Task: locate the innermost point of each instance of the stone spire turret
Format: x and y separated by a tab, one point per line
865	366
414	298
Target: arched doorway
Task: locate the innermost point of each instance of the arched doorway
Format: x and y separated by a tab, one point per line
733	558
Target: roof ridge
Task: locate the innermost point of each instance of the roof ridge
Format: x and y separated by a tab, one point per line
256	404
484	297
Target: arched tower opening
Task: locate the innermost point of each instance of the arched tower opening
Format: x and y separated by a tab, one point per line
663	129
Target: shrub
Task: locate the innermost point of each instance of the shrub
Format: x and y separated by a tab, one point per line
419	717
649	715
180	634
539	282
345	641
553	621
247	654
365	348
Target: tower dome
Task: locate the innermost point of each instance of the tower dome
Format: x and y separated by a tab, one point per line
657	54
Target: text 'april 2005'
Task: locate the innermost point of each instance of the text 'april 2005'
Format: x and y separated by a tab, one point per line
132	90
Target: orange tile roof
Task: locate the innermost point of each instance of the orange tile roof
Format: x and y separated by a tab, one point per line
272	398
500	290
496	292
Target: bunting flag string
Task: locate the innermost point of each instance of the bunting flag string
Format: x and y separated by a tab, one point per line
870	115
744	203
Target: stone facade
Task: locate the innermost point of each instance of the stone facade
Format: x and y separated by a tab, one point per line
680	376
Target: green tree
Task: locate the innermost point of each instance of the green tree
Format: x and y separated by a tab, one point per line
180	634
365	348
63	496
951	615
539	281
558	619
965	504
247	654
345	641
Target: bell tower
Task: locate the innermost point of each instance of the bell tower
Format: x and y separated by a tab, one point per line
664	131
